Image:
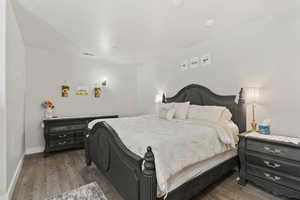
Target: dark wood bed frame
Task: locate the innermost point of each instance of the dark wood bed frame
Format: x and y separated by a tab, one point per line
135	177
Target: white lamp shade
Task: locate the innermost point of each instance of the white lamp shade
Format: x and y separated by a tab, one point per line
252	94
159	97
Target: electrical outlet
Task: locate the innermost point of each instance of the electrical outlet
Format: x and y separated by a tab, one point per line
184	65
205	59
194	62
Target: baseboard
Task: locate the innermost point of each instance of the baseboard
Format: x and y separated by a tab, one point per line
34	150
14	180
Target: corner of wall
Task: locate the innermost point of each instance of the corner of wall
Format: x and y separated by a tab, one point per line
3	8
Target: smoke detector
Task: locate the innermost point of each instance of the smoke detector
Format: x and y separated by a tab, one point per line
210	22
177	2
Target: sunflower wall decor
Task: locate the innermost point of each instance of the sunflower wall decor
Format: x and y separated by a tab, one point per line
98	92
65	90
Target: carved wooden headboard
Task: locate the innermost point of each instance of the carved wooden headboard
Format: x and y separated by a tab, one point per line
200	95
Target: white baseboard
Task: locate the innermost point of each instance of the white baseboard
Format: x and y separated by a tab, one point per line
34	150
14	180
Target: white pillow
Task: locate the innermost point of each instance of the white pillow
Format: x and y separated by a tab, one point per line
226	115
181	110
209	113
166	111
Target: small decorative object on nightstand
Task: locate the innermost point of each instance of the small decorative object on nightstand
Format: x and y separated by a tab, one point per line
271	162
48	106
252	95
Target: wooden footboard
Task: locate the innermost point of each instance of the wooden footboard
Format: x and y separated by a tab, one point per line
134	177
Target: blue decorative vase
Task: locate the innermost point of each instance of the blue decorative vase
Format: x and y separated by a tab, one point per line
265	130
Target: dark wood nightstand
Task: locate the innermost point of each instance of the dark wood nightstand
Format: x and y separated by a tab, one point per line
270	162
67	133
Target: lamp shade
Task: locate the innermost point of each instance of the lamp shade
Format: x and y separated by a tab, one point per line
159	97
252	94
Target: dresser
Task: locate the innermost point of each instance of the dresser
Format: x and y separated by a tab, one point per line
67	133
270	162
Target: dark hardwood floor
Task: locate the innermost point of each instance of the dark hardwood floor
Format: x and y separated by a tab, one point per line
44	177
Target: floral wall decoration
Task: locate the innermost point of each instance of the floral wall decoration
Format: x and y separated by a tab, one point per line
82	91
98	92
65	90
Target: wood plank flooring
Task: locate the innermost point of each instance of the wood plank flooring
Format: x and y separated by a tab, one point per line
44	177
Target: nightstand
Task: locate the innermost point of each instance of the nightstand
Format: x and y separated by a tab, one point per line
270	162
67	132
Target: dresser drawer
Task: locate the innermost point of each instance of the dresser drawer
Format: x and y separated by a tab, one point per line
61	135
80	133
61	144
274	149
273	176
77	127
277	189
274	163
67	127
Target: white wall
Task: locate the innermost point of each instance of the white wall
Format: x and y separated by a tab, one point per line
15	94
263	54
47	71
12	89
2	100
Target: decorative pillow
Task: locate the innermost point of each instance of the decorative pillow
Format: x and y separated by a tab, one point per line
166	111
226	115
209	113
181	110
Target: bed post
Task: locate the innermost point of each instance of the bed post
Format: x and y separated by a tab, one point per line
164	100
88	159
242	111
242	96
149	183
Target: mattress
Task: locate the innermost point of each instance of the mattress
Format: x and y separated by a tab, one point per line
197	169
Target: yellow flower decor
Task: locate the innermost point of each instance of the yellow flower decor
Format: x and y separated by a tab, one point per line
98	92
65	90
82	93
48	104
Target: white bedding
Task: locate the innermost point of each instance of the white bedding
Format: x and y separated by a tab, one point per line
199	168
176	144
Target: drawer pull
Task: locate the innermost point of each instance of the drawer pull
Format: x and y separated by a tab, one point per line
273	165
62	136
275	178
62	143
275	151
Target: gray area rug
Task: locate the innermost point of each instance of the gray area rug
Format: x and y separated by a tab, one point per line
90	191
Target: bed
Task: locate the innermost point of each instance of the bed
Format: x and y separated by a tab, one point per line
148	174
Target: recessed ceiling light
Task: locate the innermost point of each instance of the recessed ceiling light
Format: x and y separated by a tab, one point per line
210	22
177	2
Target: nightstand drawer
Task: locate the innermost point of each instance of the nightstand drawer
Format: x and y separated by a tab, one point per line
59	136
274	164
61	144
70	127
274	177
274	149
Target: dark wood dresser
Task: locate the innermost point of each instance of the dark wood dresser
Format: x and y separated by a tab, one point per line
273	165
67	133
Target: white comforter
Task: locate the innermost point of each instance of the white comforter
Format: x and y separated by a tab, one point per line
176	144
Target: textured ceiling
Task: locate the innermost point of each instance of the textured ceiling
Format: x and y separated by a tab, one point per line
137	30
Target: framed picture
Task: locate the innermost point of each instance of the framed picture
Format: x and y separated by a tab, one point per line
98	92
65	90
82	91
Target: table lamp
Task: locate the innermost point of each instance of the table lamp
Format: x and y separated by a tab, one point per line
252	95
